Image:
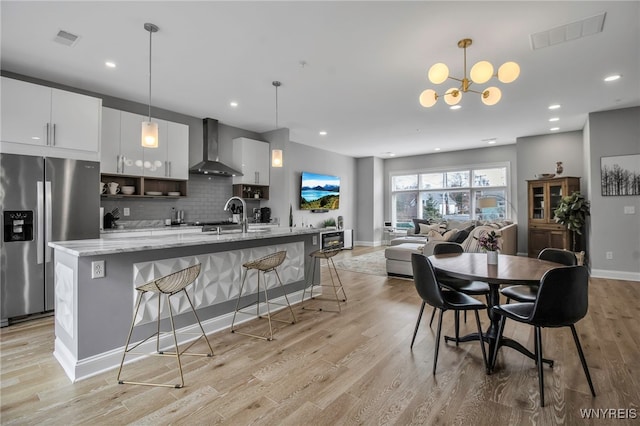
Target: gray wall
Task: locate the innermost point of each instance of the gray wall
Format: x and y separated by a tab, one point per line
539	154
370	200
612	133
299	158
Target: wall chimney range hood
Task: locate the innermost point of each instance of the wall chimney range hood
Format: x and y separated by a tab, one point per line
210	163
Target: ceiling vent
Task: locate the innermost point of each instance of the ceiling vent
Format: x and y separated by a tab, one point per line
66	38
568	32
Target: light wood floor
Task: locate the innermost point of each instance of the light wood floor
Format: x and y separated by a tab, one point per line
350	368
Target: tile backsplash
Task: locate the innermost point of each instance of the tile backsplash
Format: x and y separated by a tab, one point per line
204	202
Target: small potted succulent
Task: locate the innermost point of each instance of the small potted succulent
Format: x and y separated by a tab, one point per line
329	223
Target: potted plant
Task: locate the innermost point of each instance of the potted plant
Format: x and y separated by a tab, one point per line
331	222
490	242
572	212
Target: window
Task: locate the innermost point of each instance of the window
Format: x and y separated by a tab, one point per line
458	194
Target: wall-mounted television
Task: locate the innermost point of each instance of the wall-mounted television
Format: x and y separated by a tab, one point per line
319	192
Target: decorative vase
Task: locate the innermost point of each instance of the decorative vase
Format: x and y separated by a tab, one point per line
559	168
492	257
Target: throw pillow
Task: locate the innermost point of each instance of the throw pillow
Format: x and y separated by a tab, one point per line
426	229
417	222
461	236
436	236
452	234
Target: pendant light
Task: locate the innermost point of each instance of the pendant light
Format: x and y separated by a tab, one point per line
276	154
150	130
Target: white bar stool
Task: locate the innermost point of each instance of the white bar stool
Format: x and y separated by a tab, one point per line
169	285
265	264
327	255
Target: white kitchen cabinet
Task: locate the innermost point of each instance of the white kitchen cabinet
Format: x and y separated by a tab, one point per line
122	152
52	118
131	151
110	141
178	150
251	157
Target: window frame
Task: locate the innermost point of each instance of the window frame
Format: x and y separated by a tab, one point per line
471	189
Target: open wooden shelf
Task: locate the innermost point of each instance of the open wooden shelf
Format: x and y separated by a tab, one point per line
146	184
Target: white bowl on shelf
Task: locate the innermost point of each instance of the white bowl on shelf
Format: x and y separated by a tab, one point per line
174	193
127	190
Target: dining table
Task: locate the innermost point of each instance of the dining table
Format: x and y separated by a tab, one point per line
510	270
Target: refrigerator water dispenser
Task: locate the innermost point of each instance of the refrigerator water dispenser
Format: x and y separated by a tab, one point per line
18	226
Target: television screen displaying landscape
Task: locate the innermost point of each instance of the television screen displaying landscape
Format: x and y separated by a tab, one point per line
319	192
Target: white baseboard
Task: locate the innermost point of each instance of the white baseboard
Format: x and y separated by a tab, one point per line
615	275
367	243
88	367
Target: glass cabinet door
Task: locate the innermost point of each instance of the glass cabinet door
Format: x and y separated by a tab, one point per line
555	196
537	200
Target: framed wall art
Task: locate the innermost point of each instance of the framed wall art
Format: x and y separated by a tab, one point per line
620	175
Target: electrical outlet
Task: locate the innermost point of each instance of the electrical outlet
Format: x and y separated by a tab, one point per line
97	269
126	211
629	209
609	255
315	240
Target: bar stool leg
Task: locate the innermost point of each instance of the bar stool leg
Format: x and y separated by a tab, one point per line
210	354
336	287
341	287
175	340
285	297
313	274
126	345
244	277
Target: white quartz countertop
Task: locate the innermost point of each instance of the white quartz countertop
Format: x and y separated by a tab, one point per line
100	246
149	228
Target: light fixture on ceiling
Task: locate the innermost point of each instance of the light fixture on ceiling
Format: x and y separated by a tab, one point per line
149	129
480	73
276	154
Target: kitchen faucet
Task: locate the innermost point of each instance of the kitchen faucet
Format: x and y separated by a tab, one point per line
245	224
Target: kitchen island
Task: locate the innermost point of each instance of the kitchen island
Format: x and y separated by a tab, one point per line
93	315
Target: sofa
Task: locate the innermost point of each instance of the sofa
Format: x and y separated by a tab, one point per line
398	254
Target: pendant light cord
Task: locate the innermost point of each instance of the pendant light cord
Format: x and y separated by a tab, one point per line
150	34
276	84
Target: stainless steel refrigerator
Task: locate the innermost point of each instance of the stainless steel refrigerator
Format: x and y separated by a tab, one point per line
42	199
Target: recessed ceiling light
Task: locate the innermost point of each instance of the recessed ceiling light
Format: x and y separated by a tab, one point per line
554	119
233	104
491	142
555	106
612	77
554	129
322	133
110	64
35	138
436	149
455	107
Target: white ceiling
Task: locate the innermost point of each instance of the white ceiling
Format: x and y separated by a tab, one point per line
365	64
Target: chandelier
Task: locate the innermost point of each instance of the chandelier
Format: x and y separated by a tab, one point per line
480	73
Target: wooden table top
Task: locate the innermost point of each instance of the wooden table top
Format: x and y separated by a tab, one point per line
509	270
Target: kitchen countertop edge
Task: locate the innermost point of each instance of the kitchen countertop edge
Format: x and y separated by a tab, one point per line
99	246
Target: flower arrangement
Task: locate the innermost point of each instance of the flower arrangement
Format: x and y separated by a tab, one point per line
489	241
